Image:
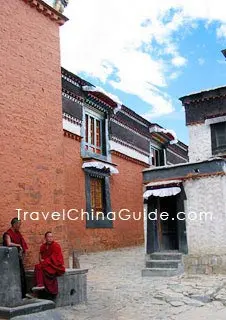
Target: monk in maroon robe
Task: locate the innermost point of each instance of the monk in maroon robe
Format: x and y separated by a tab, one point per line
13	238
51	266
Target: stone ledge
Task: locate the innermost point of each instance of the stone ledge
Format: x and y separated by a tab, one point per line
72	287
28	307
68	272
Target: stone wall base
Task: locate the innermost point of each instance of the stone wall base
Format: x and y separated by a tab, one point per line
72	287
205	264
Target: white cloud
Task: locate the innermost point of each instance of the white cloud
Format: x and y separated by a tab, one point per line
174	75
201	61
132	45
179	61
221	31
221	61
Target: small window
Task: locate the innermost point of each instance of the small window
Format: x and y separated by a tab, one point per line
157	157
98	201
94	134
218	136
97	194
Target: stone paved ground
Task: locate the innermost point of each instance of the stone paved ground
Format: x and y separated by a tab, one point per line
116	291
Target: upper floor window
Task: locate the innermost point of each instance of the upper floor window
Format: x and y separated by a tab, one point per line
157	157
218	136
94	133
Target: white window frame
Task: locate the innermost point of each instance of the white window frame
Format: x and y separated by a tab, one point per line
153	156
88	144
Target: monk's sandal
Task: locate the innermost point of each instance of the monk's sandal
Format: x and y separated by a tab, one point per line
38	288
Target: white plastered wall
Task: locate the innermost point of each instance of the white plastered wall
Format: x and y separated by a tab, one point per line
199	142
206	235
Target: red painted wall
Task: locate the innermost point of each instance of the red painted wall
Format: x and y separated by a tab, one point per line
126	193
31	150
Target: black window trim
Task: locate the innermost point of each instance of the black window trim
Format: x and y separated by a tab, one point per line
220	149
101	223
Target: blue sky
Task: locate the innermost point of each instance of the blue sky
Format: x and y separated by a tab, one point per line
148	54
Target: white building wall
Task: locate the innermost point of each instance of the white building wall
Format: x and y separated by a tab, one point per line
206	236
199	142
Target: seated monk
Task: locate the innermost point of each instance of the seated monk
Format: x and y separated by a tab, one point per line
13	238
50	267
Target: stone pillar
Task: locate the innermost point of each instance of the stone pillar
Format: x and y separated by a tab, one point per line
10	283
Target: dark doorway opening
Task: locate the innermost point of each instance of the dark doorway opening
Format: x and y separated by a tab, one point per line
169	234
167	227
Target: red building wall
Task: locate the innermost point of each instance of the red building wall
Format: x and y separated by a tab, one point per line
31	150
126	193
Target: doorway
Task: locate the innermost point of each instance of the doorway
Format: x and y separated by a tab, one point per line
167	227
169	234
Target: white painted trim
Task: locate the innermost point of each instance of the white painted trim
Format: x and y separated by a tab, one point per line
69	118
181	147
128	152
72	127
94	113
165	158
70	80
215	120
72	98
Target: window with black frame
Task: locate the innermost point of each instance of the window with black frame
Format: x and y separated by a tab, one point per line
97	195
98	202
218	137
157	157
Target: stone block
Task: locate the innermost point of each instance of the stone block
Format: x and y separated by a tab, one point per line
72	287
25	308
10	282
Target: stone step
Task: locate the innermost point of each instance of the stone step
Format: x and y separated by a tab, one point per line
162	263
27	306
160	272
166	256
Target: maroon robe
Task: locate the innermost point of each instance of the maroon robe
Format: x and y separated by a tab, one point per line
16	237
52	266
